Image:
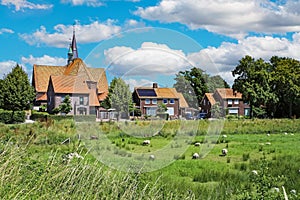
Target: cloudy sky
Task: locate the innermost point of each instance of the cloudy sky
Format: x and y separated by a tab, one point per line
145	41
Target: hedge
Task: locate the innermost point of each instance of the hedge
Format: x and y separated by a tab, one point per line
40	116
10	117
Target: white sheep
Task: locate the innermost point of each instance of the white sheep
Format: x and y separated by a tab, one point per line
254	172
224	136
146	142
268	143
268	134
196	156
197	144
285	133
151	157
224	152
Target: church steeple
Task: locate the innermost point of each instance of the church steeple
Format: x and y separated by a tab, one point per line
74	45
72	52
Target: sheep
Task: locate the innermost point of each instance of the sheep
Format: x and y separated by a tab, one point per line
254	172
285	133
146	142
268	134
196	156
268	143
67	158
94	137
197	144
224	136
151	157
224	152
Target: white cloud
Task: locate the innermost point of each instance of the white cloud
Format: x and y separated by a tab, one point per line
149	59
225	57
93	3
6	30
44	60
20	5
229	17
153	59
93	32
6	67
138	83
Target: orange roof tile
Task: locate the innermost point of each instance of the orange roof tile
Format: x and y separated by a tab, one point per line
93	99
166	93
102	96
228	93
64	76
182	101
41	97
210	98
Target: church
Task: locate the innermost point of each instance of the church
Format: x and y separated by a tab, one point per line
86	86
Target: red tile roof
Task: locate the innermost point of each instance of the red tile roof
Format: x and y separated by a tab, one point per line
210	98
228	93
69	78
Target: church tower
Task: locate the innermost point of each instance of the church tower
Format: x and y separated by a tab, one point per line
72	52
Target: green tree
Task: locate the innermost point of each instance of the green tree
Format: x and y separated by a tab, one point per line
215	82
120	97
254	82
16	92
192	84
1	91
65	106
286	84
216	111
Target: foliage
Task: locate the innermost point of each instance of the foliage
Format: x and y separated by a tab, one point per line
216	111
9	117
215	82
41	116
64	107
161	108
119	97
16	92
270	87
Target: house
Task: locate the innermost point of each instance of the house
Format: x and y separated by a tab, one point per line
87	87
230	102
148	99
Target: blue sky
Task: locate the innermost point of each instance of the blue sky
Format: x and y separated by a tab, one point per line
148	40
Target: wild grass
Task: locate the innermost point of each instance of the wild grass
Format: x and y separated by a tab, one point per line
32	165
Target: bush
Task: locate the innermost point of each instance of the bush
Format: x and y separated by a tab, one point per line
40	116
10	117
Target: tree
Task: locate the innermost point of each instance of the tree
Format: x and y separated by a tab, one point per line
65	106
254	82
192	85
17	94
286	85
120	97
216	111
215	82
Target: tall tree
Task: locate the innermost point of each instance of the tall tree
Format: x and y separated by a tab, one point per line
286	84
194	79
214	82
16	93
120	97
254	82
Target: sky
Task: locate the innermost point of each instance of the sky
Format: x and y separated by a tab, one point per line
145	41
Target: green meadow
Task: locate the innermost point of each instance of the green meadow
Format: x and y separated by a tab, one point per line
262	161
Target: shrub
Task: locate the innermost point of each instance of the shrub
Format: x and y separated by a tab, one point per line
40	116
10	117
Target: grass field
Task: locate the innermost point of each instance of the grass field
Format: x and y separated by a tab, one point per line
34	162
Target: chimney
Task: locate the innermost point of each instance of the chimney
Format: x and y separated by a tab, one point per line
155	85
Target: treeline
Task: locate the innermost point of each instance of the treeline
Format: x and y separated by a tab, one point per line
271	87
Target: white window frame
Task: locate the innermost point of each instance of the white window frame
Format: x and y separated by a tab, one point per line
172	100
236	101
165	101
154	101
147	101
229	101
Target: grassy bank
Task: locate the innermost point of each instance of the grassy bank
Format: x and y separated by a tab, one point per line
34	162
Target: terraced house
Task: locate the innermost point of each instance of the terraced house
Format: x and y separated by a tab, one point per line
87	87
230	101
148	98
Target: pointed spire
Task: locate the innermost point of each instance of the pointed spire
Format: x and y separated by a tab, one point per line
70	54
74	45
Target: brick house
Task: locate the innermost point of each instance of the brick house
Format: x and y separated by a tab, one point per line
230	101
87	87
148	99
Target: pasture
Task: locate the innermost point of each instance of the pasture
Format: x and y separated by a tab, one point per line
263	156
